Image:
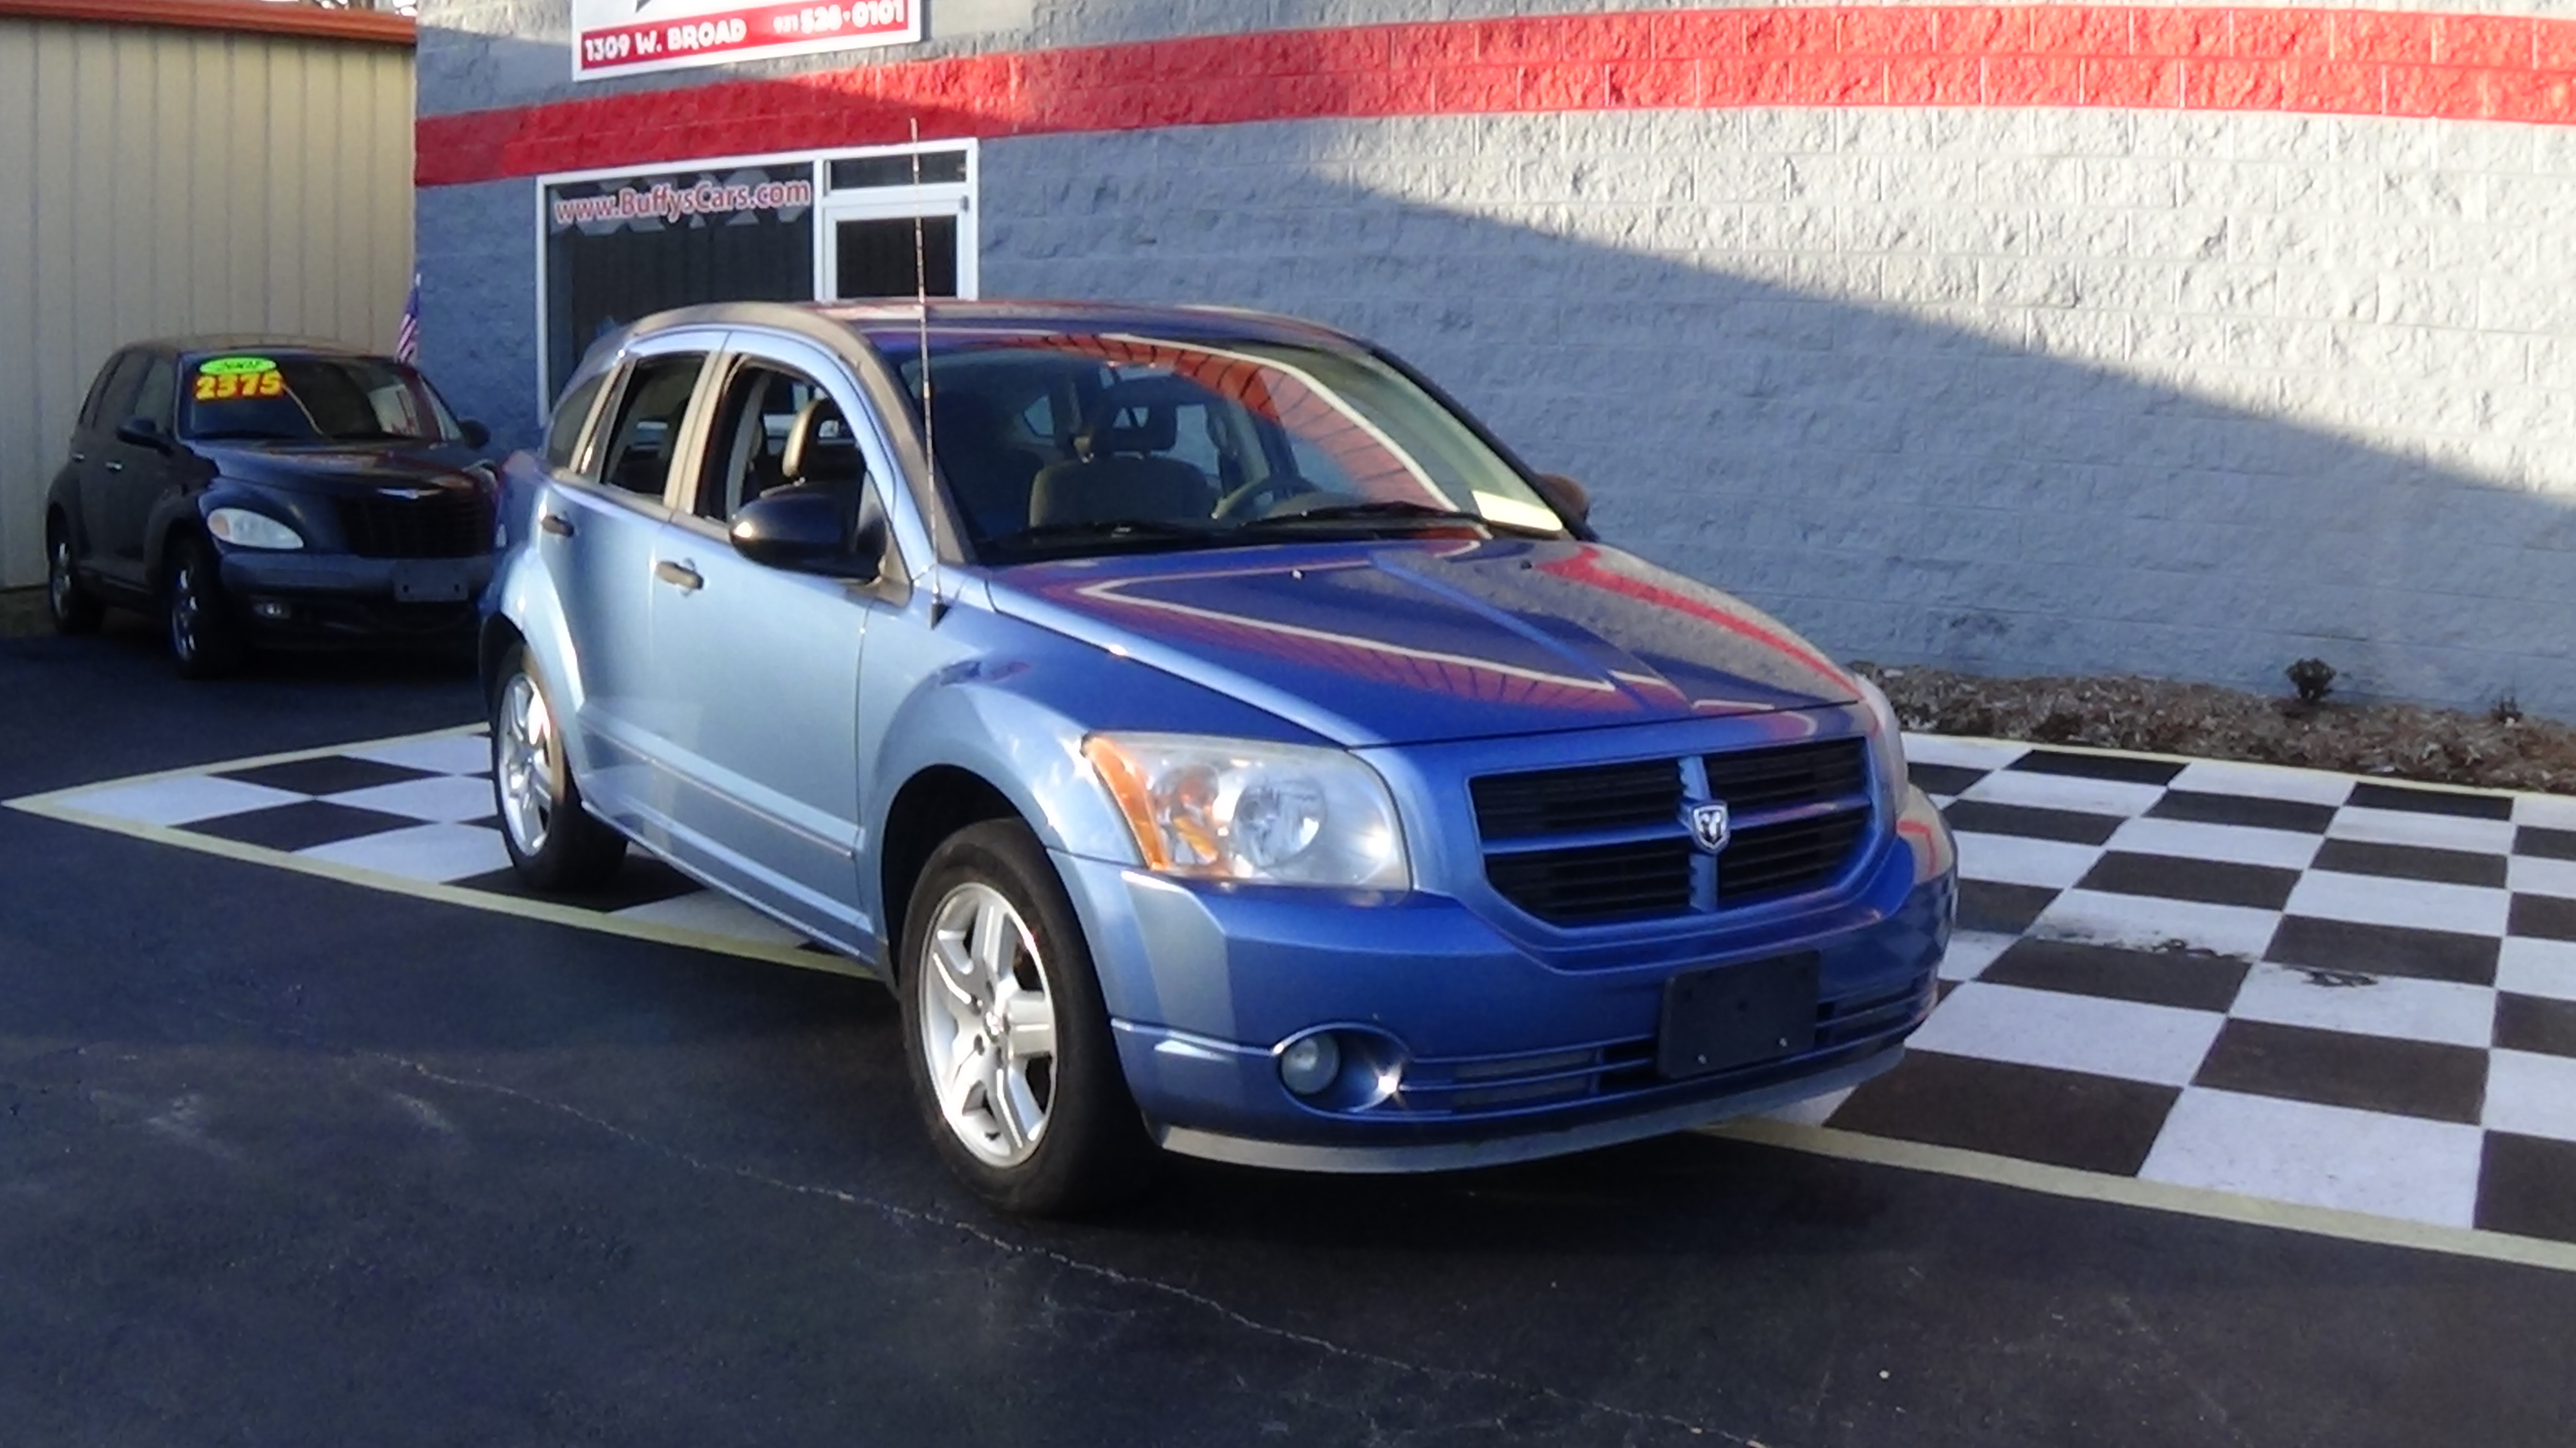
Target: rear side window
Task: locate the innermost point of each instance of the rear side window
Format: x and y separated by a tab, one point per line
159	394
98	388
570	415
638	456
115	390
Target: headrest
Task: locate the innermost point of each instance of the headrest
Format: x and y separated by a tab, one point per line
1141	415
820	448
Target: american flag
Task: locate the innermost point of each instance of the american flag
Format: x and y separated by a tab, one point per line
407	336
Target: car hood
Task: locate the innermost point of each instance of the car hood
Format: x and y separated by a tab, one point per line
342	468
1418	641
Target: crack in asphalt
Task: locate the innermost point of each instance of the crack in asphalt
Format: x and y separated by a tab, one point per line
1177	1293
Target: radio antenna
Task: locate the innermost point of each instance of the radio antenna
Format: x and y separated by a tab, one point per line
935	514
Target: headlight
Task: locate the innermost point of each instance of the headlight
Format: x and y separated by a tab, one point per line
243	528
1887	745
1236	809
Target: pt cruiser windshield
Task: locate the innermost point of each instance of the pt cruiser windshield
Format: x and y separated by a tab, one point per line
1061	445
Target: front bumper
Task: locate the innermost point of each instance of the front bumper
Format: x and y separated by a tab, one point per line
287	597
1487	1052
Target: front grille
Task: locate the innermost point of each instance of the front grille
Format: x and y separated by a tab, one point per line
1608	843
453	523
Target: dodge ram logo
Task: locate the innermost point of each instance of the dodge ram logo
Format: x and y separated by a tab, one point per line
1710	827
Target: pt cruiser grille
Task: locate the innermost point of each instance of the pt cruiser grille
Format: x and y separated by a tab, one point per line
453	523
1610	843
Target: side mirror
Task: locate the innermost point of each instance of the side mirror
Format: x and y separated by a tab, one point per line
144	432
807	530
1569	498
474	433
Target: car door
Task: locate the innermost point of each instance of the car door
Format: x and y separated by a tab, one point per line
595	529
117	500
105	406
753	696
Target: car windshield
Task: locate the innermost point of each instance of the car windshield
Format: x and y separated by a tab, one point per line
285	397
1060	444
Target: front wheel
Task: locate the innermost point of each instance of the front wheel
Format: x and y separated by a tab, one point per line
1012	1059
205	642
554	843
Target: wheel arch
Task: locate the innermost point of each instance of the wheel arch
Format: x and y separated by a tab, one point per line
935	803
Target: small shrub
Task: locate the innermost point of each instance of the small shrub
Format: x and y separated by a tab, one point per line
2507	710
2313	678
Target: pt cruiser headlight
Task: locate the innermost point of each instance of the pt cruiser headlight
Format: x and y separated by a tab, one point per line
1887	746
1237	809
243	528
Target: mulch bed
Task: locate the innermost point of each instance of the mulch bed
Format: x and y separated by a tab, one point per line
2498	750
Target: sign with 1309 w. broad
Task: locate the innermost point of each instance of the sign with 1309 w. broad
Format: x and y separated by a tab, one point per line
623	37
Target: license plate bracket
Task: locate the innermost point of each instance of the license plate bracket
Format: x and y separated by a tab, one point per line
438	581
1737	1015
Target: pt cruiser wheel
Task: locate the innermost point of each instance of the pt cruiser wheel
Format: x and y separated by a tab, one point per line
204	641
553	842
73	608
1012	1061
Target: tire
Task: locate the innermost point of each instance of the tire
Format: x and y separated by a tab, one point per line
205	639
73	608
554	843
1035	1120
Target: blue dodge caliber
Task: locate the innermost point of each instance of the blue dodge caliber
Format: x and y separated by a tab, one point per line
1216	738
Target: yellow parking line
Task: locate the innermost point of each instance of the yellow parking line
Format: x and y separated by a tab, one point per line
2059	1181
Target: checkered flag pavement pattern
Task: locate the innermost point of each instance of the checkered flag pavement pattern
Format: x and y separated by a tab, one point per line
2277	983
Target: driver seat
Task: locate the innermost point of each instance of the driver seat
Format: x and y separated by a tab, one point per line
1118	471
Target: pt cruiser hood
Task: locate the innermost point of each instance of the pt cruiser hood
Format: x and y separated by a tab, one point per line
343	467
1418	641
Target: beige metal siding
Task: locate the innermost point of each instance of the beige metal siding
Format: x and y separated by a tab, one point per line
157	181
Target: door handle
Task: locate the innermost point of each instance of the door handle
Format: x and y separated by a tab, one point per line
679	575
80	457
555	523
115	467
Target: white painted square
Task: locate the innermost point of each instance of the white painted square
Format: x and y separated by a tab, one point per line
2320	1156
187	800
2395	1005
2016	860
2235	844
1971	951
463	753
2532	875
2066	791
2146	921
434	853
1962	753
2406	827
2416	904
2531	1094
2135	1042
2264	781
439	799
2537	967
709	913
2549	811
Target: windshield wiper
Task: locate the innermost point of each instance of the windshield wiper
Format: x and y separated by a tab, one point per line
1048	537
1385	511
239	434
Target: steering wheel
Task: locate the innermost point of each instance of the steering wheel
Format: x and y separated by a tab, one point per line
1272	497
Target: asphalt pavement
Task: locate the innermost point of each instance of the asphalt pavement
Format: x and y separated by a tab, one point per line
284	1160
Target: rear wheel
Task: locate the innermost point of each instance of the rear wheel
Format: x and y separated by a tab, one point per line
554	843
1012	1060
205	642
73	607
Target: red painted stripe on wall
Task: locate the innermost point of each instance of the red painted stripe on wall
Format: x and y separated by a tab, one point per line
2321	62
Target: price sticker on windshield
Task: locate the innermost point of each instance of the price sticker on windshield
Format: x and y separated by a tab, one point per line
224	379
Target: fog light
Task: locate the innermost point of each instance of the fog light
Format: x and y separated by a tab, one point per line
270	608
1310	1064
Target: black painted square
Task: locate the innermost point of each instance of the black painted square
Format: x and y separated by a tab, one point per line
2193	980
2001	909
302	825
330	774
2373	795
2337	1068
2211	882
2411	862
640	881
2201	807
2535	1023
2384	950
2545	844
2031	823
2065	1118
2545	917
1943	779
2527	1186
2123	768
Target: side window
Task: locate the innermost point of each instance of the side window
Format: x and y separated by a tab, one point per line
763	406
116	401
160	392
94	408
638	456
570	414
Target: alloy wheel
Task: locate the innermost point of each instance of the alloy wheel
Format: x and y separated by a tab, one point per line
987	1018
526	766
